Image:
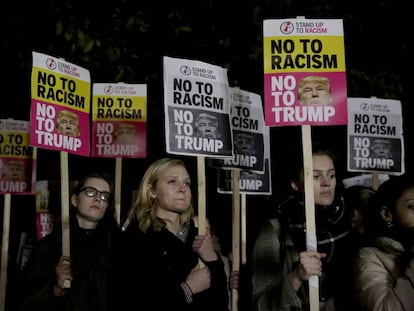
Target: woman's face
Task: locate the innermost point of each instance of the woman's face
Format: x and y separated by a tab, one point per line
172	190
91	209
324	180
404	209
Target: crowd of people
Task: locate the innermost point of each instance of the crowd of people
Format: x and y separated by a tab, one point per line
364	256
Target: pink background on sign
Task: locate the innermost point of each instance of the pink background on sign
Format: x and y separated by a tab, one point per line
338	88
84	148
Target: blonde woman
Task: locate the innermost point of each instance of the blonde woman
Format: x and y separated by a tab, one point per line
158	260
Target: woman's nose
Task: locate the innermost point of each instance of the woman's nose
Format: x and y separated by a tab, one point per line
326	181
182	187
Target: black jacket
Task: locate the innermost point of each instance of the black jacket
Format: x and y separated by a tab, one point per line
150	267
89	252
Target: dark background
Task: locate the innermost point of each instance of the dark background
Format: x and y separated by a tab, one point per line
124	41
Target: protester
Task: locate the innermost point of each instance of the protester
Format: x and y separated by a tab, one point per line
92	230
281	263
239	283
314	90
358	199
234	279
162	263
384	270
12	282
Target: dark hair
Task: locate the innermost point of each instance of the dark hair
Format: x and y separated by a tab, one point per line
391	190
387	195
81	183
297	166
360	198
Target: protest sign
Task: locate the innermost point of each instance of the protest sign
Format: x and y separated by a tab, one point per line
17	163
59	116
304	67
375	136
119	120
247	125
197	106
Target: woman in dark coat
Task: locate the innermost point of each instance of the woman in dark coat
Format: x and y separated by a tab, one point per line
162	262
92	229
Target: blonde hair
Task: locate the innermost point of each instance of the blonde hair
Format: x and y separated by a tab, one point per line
145	208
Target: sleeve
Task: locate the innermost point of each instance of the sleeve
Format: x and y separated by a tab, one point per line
38	280
218	291
138	280
379	285
271	287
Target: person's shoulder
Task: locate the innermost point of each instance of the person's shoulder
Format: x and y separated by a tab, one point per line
44	250
286	208
128	237
53	239
370	254
132	232
271	225
382	245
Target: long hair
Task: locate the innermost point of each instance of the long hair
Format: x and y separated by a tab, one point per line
144	210
387	196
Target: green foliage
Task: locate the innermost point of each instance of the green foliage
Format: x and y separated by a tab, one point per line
126	40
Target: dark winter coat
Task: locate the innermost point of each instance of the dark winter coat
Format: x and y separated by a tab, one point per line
151	267
89	252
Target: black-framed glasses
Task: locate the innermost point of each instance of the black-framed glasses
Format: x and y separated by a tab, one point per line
93	192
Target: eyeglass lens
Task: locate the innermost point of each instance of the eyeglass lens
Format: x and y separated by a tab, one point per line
93	192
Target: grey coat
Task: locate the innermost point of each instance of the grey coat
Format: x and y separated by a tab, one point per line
276	254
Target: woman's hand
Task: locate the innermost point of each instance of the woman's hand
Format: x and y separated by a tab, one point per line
310	264
199	279
203	246
63	272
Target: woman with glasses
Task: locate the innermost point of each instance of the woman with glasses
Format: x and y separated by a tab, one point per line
92	230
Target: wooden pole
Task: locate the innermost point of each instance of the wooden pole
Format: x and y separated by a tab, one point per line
118	184
236	234
64	182
5	250
311	240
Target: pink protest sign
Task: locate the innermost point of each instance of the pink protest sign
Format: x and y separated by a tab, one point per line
17	164
304	72
119	120
59	118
